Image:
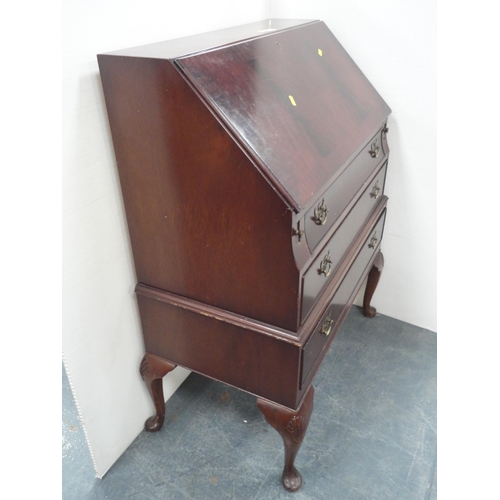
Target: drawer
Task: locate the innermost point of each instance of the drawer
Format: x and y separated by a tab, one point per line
320	218
333	316
323	267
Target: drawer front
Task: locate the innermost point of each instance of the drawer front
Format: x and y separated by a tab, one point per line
332	318
323	267
320	218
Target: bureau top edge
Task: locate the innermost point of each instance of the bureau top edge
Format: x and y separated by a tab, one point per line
184	46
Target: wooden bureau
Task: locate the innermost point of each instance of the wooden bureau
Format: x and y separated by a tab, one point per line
252	162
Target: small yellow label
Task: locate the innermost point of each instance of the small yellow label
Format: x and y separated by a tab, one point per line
320	52
292	100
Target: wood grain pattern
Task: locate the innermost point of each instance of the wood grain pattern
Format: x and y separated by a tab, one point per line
340	303
345	190
203	221
216	313
314	281
236	355
299	147
241	351
223	155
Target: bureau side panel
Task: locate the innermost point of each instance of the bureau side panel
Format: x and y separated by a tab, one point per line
203	221
262	365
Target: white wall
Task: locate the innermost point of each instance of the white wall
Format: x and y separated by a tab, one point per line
394	44
102	341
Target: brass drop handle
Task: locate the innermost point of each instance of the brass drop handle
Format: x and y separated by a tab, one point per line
375	150
325	266
321	213
375	191
327	326
373	241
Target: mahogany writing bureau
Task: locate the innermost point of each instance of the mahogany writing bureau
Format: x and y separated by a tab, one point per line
252	162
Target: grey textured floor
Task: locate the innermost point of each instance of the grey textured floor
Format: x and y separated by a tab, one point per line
372	434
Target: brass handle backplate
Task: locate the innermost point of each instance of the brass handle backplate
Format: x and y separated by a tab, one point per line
375	150
325	266
299	233
375	191
321	213
327	326
373	241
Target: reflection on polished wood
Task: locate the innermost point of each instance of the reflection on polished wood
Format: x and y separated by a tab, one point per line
252	165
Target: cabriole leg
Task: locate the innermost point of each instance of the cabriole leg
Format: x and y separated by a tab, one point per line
292	426
153	369
371	285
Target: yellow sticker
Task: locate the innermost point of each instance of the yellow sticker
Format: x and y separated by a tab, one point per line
292	100
320	52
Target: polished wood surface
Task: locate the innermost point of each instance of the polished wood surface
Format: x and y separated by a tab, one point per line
233	354
170	49
329	257
371	285
344	191
301	115
340	304
239	350
203	222
228	146
292	427
153	369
